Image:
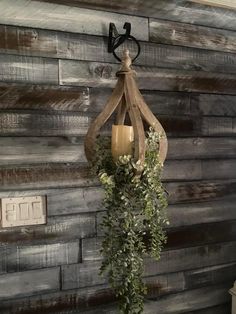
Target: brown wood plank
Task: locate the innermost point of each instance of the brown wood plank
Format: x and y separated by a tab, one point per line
57	229
96	74
28	69
64	98
222	231
45	176
62	18
52	44
163	9
21	258
29	283
199	191
174	33
43	97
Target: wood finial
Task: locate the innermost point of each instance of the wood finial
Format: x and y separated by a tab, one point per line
126	61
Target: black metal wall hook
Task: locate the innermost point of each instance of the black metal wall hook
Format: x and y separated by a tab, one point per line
115	39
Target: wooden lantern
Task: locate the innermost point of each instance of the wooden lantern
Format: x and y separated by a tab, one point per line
127	99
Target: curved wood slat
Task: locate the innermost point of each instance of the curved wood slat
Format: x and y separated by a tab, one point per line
101	119
135	117
150	118
122	110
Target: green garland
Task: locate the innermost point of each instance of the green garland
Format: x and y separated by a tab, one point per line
134	220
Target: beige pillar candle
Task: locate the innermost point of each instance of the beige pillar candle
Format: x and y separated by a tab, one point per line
122	140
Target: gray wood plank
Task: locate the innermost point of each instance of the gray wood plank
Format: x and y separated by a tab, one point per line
43	97
44	43
174	260
96	74
29	283
190	300
213	105
57	229
81	275
76	175
181	10
181	215
28	69
32	150
71	201
217	169
88	198
21	258
188	148
50	16
183	34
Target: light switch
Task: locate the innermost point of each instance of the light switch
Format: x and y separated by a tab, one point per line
23	211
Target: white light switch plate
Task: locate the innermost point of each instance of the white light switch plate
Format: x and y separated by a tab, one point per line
23	211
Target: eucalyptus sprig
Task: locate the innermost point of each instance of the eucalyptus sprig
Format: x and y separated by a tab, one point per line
134	219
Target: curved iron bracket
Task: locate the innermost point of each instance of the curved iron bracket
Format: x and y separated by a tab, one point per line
115	39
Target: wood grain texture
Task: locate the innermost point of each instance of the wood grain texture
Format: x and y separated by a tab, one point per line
53	44
57	229
82	299
21	258
95	74
44	176
50	16
182	34
43	97
200	191
72	124
76	175
29	283
163	9
28	69
32	123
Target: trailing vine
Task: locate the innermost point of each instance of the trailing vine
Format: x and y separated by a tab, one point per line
134	219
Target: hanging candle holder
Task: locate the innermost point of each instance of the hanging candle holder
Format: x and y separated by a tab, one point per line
126	99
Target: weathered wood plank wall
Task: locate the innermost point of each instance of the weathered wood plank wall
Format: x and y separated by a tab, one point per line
55	76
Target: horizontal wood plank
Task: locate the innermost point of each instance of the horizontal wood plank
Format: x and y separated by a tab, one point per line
29	283
77	175
199	191
96	74
57	229
52	44
173	260
28	69
163	9
174	33
51	16
43	97
32	150
21	258
72	124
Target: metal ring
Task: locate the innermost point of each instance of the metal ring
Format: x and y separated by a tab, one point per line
120	40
